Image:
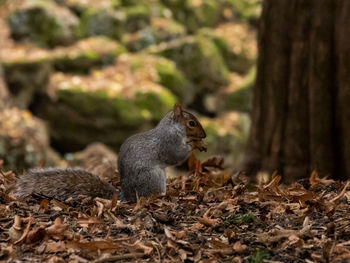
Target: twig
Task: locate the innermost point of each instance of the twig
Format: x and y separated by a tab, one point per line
25	232
340	196
119	257
154	244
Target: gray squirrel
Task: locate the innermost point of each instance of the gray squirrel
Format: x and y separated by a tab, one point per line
141	163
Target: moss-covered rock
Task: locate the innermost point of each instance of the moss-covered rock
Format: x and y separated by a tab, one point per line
44	23
136	17
226	136
103	21
199	59
195	14
165	73
79	6
27	69
107	106
24	141
25	79
161	30
237	96
132	2
237	44
86	54
98	159
240	97
167	29
113	23
247	10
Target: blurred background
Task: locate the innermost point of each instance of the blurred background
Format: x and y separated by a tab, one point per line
77	72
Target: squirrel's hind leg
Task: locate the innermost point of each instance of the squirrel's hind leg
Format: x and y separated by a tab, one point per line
146	183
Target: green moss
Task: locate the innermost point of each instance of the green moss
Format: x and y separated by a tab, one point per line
259	256
102	115
248	10
106	22
43	23
172	28
156	104
99	102
132	2
136	18
207	14
159	31
116	3
26	80
195	15
240	219
226	136
89	55
23	141
136	63
145	37
241	99
200	61
217	67
24	62
86	60
239	62
174	80
34	24
168	75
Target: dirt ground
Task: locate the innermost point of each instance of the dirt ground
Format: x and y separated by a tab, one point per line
209	215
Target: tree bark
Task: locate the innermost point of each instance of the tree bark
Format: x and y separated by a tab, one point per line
301	111
4	94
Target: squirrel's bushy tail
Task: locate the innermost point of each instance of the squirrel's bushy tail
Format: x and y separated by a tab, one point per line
61	184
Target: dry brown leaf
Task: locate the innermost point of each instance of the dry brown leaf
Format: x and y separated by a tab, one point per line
274	181
141	246
168	233
54	247
183	254
210	222
25	232
315	180
85	222
194	165
104	246
341	194
44	204
35	235
58	228
215	161
57	205
200	145
238	247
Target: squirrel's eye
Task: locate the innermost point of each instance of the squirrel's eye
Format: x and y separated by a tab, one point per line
192	123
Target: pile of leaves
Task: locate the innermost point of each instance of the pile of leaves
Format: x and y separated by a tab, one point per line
210	215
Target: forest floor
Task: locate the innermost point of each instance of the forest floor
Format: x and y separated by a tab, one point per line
207	216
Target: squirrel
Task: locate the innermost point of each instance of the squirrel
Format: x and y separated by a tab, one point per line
142	160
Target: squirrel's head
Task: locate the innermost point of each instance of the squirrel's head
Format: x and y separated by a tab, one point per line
194	129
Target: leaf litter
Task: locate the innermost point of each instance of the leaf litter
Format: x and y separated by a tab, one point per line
208	215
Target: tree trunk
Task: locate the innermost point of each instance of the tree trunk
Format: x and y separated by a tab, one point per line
301	111
4	94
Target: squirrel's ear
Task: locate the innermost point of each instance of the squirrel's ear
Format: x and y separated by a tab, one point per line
177	112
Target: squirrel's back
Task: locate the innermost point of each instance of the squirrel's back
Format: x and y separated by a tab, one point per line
62	184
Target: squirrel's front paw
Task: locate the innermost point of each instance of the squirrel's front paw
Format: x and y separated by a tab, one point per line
200	145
